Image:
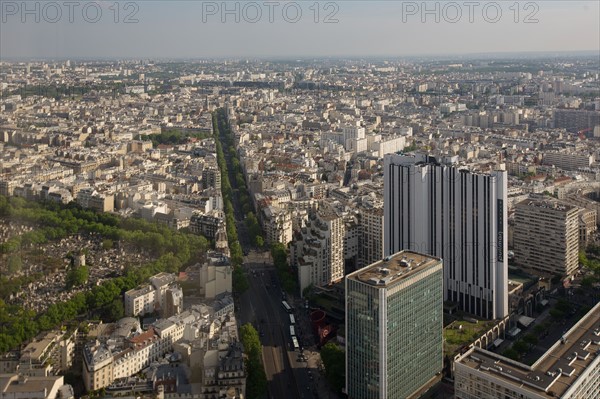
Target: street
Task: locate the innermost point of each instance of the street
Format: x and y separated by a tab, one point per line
288	376
261	305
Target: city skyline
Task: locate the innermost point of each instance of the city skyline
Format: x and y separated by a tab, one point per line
197	208
320	29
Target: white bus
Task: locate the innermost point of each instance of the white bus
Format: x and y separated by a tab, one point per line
292	331
295	342
292	319
287	307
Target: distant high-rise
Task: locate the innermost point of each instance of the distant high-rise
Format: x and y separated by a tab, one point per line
458	216
394	323
546	237
576	120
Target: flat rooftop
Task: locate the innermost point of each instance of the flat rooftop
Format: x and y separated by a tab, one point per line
556	370
550	204
394	268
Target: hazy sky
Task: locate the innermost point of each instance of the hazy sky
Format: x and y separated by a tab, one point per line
195	29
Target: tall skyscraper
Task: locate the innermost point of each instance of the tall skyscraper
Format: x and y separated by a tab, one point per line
455	215
394	323
546	237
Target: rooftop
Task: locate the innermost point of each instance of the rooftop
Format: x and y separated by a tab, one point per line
136	292
14	385
394	268
162	279
547	204
556	370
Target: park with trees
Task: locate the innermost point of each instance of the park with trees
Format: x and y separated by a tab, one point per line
172	251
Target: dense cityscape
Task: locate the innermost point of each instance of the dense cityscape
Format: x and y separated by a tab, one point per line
316	228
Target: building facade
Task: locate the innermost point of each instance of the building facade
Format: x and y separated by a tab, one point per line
569	160
370	240
206	224
319	251
211	177
546	237
91	199
277	224
215	276
140	301
575	120
458	216
394	323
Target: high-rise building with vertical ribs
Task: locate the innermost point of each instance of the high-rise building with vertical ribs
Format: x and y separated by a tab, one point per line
454	214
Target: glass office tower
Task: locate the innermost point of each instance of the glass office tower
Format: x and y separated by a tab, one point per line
394	323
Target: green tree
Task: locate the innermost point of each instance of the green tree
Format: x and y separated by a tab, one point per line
520	346
256	383
116	310
77	277
538	329
250	339
239	280
557	314
334	363
259	241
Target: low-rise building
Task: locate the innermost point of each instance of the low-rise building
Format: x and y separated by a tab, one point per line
569	369
215	275
91	199
140	301
16	386
206	224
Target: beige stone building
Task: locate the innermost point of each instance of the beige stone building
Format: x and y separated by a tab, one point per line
546	237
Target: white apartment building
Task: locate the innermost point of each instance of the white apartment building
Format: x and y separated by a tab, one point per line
91	199
128	350
149	298
277	224
568	160
161	283
354	139
15	386
319	252
215	276
458	216
389	145
140	301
